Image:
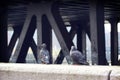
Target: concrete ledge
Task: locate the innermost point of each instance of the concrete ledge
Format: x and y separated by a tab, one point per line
56	72
115	74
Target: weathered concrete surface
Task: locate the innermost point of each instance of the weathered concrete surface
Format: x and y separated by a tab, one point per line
115	74
54	72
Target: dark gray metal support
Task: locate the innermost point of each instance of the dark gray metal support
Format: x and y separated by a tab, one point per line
3	34
87	28
60	31
47	35
72	32
56	23
80	28
39	31
27	40
84	37
97	32
13	40
15	36
23	52
34	48
18	57
81	39
84	42
114	41
61	56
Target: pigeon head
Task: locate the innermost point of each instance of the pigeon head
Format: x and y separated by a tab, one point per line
73	48
43	45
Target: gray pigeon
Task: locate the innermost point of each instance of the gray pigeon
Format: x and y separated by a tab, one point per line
77	56
44	54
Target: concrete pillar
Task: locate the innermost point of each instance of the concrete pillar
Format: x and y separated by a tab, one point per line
3	34
97	32
114	41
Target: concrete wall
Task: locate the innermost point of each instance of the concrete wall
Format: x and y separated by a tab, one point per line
57	72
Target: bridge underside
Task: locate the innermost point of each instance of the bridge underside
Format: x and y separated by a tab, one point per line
84	17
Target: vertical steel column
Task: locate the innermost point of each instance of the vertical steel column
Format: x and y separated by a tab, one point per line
97	32
81	37
114	41
3	34
47	35
84	42
87	29
39	32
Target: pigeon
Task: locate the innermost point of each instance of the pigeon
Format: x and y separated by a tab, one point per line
44	54
77	57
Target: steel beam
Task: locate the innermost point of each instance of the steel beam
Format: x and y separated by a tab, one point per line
45	9
15	36
72	32
22	37
3	34
23	53
34	48
27	40
57	25
81	39
60	31
84	42
13	40
47	35
97	32
61	56
114	40
80	28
